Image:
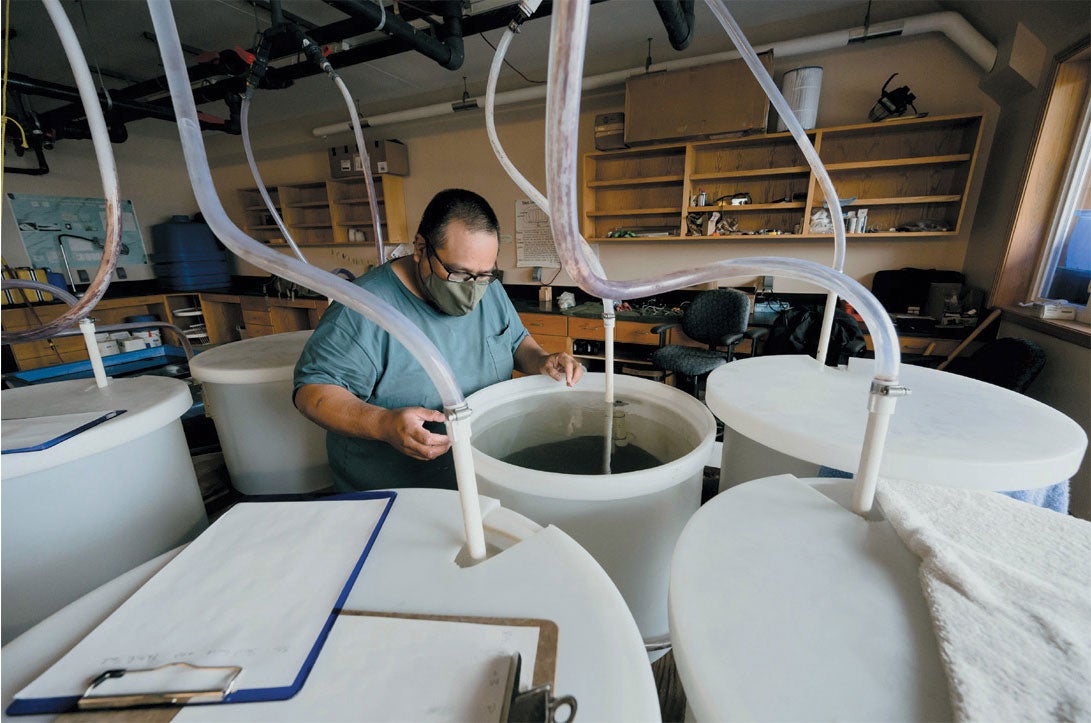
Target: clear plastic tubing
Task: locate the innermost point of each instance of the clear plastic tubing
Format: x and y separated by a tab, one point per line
567	43
792	123
62	294
608	316
107	172
359	300
244	121
368	180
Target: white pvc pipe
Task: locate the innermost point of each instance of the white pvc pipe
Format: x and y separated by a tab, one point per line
880	409
567	43
87	327
354	297
244	121
949	23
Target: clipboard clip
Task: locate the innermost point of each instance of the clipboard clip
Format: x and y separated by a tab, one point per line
535	705
97	698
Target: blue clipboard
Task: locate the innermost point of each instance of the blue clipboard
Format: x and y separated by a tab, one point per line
66	704
67	433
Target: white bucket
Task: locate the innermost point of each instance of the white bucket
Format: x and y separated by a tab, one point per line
629	522
269	447
801	88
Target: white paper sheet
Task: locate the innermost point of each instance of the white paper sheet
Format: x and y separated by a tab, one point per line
253	590
398	669
534	244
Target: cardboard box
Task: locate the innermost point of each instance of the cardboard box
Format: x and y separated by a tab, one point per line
698	102
389	156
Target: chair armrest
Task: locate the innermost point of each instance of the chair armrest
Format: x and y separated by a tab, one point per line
730	340
662	330
756	335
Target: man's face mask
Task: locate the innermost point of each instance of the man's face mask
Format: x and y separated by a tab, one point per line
460	292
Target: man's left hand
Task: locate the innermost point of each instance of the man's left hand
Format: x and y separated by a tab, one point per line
562	367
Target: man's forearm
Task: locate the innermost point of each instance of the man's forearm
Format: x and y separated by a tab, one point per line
529	356
338	410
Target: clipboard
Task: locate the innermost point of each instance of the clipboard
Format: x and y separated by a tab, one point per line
33	434
206	556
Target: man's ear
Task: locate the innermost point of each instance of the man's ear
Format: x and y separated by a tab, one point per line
418	248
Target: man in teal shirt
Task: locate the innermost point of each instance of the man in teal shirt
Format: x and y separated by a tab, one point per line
380	409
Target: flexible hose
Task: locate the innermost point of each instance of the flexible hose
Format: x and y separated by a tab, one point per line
354	297
562	121
34	285
376	219
567	43
100	136
536	196
244	121
792	123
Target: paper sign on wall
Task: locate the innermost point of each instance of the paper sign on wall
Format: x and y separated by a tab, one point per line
533	238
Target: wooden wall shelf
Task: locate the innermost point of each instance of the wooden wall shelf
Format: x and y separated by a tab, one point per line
902	171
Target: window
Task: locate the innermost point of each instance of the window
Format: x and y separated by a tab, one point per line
1066	271
1049	249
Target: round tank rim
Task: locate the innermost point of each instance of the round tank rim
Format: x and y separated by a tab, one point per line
576	488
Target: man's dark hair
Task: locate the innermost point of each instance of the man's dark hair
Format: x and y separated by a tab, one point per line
456	204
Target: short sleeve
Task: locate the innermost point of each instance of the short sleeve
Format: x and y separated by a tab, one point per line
335	355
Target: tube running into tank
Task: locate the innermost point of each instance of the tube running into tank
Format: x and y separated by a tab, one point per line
608	316
354	297
567	43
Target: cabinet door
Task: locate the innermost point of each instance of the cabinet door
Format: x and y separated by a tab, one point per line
628	332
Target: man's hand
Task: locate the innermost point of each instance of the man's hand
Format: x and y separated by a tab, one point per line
562	367
403	429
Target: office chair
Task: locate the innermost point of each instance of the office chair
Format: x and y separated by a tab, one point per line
718	318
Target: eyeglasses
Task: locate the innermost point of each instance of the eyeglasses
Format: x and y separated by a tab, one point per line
458	275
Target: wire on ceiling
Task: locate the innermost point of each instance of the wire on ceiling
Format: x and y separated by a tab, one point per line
521	74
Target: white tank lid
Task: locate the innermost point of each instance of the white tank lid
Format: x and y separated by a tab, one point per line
151	403
251	361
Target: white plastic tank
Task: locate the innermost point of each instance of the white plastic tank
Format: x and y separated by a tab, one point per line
628	521
96	505
268	446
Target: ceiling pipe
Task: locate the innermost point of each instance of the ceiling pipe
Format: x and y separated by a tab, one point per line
951	24
448	50
678	19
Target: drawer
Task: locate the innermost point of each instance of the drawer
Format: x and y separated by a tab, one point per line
547	324
553	344
256	317
628	332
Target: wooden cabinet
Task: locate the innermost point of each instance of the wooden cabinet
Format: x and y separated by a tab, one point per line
912	176
232	317
328	213
172	308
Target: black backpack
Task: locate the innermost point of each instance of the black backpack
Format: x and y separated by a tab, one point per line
796	331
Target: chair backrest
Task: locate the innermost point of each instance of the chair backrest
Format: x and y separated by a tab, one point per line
1011	362
714	314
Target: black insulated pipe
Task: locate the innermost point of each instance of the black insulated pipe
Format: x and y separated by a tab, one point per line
678	19
448	52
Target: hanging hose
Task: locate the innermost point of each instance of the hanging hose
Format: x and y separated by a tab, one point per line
789	117
567	43
244	122
353	297
608	316
314	52
108	174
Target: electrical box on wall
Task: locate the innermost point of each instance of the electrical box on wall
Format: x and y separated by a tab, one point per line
389	156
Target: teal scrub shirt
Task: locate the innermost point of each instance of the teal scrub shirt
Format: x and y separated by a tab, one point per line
351	352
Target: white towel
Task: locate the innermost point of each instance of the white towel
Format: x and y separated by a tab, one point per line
1009	587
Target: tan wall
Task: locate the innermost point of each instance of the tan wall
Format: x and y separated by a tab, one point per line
454	150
